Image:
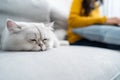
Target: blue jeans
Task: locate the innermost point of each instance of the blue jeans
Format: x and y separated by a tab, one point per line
85	42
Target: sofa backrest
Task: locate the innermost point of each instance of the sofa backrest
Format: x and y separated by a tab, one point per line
24	10
60	10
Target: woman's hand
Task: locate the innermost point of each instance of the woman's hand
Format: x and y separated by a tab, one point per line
113	20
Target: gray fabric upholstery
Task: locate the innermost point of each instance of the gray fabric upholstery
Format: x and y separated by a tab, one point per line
27	10
63	63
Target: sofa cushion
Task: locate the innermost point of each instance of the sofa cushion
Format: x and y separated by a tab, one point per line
101	33
33	9
27	10
60	10
63	63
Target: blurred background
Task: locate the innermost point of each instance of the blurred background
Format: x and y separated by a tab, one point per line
48	10
111	8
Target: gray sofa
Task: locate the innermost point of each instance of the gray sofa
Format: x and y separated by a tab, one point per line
62	63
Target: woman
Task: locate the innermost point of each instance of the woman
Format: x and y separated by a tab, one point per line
85	13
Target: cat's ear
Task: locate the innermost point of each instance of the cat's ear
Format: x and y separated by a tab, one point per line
50	25
12	26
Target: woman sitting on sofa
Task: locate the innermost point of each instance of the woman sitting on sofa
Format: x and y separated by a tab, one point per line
85	13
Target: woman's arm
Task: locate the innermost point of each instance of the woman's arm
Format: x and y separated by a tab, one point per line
78	21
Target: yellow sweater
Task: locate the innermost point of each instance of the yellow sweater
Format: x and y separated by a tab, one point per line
76	20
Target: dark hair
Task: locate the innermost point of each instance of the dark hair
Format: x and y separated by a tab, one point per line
89	5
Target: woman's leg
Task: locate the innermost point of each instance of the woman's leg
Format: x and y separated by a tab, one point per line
114	47
86	42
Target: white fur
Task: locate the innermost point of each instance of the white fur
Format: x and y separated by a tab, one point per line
28	36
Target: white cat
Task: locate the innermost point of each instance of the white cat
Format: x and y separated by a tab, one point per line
28	36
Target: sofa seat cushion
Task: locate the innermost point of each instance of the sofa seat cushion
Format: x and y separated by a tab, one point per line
63	63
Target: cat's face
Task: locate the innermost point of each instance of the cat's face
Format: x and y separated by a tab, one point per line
27	36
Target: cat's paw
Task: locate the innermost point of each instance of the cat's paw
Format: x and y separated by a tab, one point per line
64	43
57	44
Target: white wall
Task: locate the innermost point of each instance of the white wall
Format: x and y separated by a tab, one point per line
62	6
111	8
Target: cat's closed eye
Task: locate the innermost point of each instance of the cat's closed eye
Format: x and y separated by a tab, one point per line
45	40
33	40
